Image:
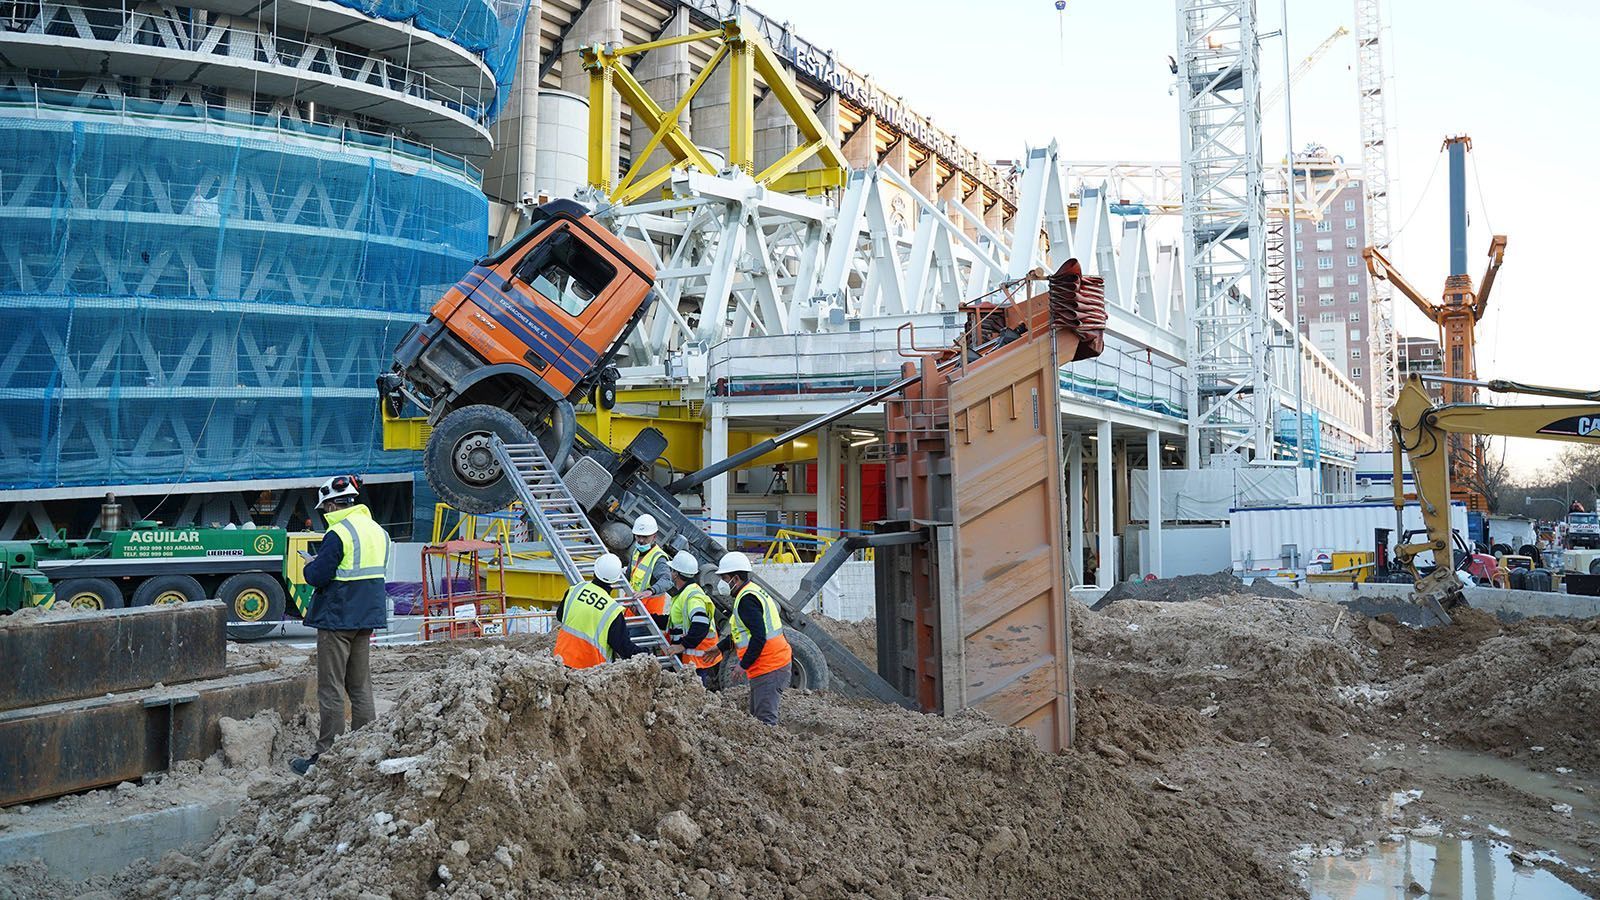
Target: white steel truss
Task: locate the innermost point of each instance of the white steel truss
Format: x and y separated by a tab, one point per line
735	260
1224	230
1375	175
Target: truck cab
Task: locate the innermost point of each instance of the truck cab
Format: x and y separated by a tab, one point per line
531	329
1583	530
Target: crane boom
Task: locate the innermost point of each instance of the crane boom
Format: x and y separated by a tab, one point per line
1306	65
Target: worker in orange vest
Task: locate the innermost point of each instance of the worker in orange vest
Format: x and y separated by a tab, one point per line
691	619
594	629
764	651
649	576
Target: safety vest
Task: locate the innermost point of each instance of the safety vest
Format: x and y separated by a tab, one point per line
639	577
366	544
586	616
775	653
704	654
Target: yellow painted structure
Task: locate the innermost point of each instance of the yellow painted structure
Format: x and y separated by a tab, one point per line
747	56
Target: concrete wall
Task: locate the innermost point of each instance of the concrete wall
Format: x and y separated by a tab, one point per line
850	594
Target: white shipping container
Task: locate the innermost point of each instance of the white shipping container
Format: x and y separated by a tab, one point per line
1259	534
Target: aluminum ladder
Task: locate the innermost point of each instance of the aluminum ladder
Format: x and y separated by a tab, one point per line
557	517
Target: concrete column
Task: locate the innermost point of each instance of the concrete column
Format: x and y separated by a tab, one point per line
716	490
600	23
953	194
828	483
852	488
1152	445
509	174
1107	575
828	114
776	134
1119	472
709	113
926	177
995	217
666	75
1074	442
898	157
861	150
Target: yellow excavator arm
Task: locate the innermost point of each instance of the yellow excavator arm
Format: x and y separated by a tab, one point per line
1420	430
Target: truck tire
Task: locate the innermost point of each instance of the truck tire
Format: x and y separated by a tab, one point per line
90	593
1594	566
166	590
808	668
459	463
254	598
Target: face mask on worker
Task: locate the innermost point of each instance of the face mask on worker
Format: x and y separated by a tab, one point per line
723	588
641	546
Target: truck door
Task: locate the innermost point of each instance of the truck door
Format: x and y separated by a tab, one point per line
542	300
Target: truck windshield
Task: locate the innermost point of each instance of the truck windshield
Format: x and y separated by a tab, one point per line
566	271
1583	519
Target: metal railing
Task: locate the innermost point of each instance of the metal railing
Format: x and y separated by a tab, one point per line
345	136
141	26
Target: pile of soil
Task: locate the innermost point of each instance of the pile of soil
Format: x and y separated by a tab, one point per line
859	637
1512	688
505	773
1184	588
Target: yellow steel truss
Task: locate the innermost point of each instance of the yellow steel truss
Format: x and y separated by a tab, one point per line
747	55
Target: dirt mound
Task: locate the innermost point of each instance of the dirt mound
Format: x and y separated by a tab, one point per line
1184	588
1531	684
1258	667
859	637
506	774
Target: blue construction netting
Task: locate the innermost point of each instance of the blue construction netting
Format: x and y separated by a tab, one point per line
193	305
492	28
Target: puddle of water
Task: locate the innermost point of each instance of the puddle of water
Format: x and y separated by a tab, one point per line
1447	868
1517	773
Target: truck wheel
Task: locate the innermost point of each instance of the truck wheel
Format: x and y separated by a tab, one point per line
168	590
460	464
808	668
90	593
254	599
1594	566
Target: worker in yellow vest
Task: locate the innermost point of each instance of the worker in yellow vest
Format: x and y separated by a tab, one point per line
350	601
764	651
649	576
691	619
594	629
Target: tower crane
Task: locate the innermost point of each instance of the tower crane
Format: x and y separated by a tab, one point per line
1306	65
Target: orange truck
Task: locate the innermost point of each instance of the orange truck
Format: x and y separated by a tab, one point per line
530	330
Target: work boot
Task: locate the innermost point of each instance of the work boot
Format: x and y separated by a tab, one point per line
302	765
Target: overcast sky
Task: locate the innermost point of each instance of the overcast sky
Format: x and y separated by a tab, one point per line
1095	79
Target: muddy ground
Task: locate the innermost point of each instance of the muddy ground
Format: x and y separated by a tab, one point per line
1222	743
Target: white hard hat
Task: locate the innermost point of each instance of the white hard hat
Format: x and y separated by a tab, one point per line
733	562
645	525
338	486
685	564
608	569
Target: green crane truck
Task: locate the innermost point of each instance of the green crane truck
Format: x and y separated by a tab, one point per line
254	571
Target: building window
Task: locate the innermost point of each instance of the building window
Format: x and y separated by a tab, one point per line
1352	260
1351	242
1324	262
1299	227
1326	317
1355	296
1355	372
1350	206
1299	245
1300	281
1324	244
1427	351
1325	300
1355	352
1324	226
1355	334
1355	316
1349	224
1299	263
1324	281
1353	278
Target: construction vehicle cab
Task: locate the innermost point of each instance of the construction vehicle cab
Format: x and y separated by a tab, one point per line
531	329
